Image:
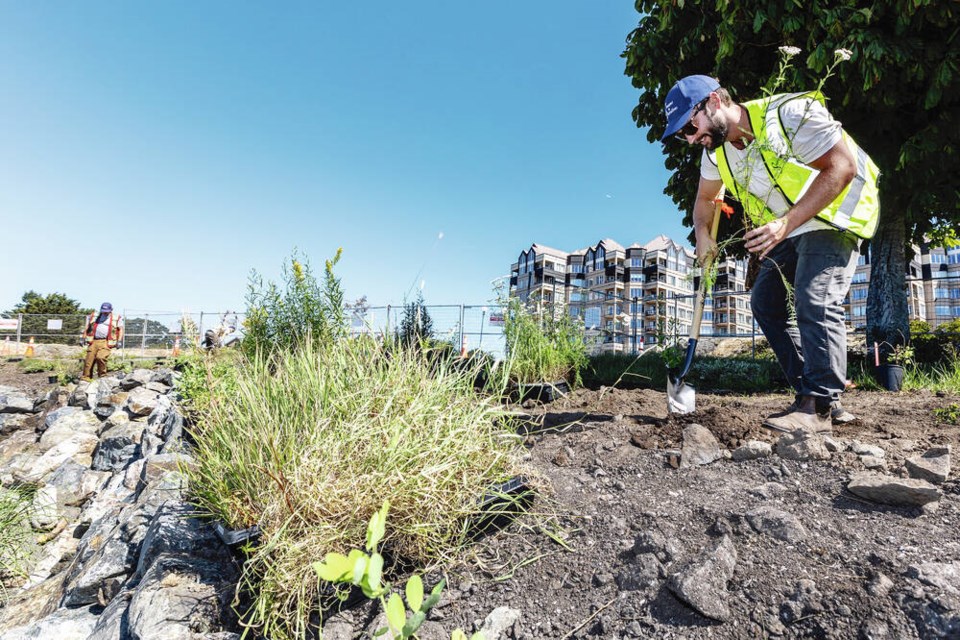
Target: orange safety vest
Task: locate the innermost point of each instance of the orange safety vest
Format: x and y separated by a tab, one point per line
113	329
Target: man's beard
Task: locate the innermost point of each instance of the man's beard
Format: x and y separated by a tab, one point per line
717	131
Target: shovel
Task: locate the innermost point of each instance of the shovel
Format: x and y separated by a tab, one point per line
681	397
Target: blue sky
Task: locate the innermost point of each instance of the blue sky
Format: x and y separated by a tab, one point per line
152	154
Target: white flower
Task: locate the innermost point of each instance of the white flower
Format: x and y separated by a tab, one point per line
843	54
788	52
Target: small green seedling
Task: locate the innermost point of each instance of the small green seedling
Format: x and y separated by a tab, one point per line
949	414
366	571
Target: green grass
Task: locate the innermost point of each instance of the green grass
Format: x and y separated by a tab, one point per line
545	345
14	537
36	365
309	444
942	377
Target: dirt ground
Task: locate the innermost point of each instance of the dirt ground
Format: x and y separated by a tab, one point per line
573	568
605	456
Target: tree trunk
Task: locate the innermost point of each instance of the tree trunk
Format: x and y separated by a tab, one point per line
888	313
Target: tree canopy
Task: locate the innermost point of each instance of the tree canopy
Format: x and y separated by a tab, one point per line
899	96
52	303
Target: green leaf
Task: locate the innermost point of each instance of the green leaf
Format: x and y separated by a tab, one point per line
379	632
434	597
377	527
477	636
458	635
396	614
374	575
413	624
335	567
414	590
359	569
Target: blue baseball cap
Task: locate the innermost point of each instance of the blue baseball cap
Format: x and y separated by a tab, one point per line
106	307
682	98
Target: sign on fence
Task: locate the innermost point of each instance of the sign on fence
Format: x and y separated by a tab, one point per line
9	324
496	320
55	325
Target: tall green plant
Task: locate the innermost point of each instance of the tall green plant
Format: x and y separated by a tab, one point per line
544	344
416	325
286	317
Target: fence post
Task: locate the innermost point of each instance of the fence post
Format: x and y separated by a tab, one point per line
633	321
462	345
19	327
143	337
387	330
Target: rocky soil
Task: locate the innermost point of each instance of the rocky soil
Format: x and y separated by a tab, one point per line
646	525
668	530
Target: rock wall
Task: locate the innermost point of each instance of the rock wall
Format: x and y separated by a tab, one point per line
114	550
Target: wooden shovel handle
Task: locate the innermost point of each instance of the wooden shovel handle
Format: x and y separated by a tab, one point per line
701	290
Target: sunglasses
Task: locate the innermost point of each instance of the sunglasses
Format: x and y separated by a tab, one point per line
690	129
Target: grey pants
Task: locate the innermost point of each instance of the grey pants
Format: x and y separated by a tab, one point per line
812	346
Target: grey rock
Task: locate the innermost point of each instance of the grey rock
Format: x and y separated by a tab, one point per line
935	610
805	601
11	422
176	596
13	401
77	447
862	449
874	463
880	585
62	624
702	583
66	425
337	630
800	445
52	417
156	466
141	402
644	573
165	376
700	447
653	541
752	450
105	388
777	524
768	490
80	398
173	531
136	378
499	623
112	623
45	510
118	446
893	491
833	445
159	387
932	466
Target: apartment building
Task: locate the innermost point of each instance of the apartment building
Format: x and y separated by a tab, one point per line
628	296
933	286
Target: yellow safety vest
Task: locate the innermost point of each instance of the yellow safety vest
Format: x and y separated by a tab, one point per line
856	209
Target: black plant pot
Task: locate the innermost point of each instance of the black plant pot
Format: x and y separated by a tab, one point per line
890	376
541	391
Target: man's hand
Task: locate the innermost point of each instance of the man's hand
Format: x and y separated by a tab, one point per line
764	238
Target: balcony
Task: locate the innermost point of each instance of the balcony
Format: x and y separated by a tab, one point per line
651	272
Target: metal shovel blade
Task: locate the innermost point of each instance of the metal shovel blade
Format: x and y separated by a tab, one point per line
681	398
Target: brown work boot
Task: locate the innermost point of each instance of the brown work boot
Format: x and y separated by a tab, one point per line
800	421
793	407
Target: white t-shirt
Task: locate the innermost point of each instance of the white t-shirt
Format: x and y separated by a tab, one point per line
812	131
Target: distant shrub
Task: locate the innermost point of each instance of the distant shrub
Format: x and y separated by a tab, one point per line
284	319
544	344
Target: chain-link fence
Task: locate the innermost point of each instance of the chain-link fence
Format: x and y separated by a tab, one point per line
612	323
